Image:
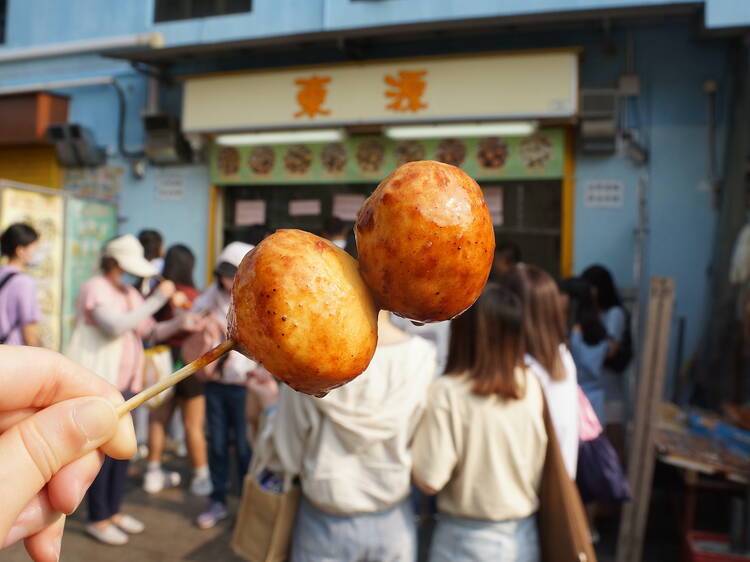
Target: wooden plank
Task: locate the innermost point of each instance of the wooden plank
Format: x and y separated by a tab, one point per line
650	389
636	450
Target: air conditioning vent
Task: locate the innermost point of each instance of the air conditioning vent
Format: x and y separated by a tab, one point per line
598	130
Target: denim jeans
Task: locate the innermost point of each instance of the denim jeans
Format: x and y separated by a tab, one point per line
106	492
472	540
225	416
386	536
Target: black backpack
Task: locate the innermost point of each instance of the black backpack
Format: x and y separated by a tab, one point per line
620	360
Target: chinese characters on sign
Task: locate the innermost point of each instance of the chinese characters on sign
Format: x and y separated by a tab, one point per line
403	93
407	91
312	95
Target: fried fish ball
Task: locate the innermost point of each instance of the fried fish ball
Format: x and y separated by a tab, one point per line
300	307
425	241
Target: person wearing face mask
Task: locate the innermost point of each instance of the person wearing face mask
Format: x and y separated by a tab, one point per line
19	308
112	320
225	384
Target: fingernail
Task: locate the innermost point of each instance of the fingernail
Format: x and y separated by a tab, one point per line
16	533
94	418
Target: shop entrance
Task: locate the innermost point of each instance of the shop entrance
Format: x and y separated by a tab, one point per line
532	214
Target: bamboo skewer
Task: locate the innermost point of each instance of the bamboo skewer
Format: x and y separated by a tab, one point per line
192	367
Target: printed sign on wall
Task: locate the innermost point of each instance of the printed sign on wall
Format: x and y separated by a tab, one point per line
604	194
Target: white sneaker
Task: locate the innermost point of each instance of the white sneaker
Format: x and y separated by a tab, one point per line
110	534
201	486
155	481
130	525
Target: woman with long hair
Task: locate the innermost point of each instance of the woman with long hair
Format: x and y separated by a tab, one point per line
588	340
545	337
188	394
481	444
608	304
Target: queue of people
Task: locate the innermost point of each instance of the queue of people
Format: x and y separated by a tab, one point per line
474	437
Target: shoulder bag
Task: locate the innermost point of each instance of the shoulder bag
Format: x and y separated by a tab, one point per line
564	533
267	512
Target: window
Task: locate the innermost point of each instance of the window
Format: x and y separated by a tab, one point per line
172	10
3	19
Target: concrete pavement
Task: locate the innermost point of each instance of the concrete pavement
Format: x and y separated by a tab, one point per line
170	533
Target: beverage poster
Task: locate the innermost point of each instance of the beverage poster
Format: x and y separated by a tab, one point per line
89	225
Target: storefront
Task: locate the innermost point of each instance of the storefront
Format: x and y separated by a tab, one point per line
327	135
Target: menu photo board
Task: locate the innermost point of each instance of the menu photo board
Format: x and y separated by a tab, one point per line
370	158
89	225
44	212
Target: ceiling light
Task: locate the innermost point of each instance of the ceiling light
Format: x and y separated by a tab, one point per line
508	128
282	137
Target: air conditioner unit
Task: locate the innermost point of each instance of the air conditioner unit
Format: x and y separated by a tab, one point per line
598	130
75	146
165	143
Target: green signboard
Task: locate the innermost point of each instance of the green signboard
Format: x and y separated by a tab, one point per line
371	158
88	226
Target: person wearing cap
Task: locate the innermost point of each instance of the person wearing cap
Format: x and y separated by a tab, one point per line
112	318
225	385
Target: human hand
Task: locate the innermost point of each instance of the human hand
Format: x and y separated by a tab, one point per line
189	322
262	383
180	300
56	420
166	288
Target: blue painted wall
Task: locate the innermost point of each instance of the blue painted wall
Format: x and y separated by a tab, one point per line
727	13
184	221
672	66
38	22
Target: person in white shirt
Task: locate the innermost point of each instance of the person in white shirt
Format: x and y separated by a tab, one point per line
352	453
547	354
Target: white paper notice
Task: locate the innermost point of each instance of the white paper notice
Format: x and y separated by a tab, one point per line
170	187
346	206
494	198
304	207
604	194
250	212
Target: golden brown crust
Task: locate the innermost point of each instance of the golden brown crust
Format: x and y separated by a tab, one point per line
425	241
301	309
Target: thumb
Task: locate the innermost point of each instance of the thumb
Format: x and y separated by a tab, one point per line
33	450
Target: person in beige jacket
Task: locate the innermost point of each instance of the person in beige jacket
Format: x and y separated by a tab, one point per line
351	451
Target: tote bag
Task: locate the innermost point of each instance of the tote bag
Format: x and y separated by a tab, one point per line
563	528
90	347
266	516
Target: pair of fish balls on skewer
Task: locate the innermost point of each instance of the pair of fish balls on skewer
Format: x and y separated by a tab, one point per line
307	310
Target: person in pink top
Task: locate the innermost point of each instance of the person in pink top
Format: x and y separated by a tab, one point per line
112	320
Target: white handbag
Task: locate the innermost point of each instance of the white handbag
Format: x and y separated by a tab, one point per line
93	349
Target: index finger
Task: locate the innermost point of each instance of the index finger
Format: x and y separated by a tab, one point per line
32	377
